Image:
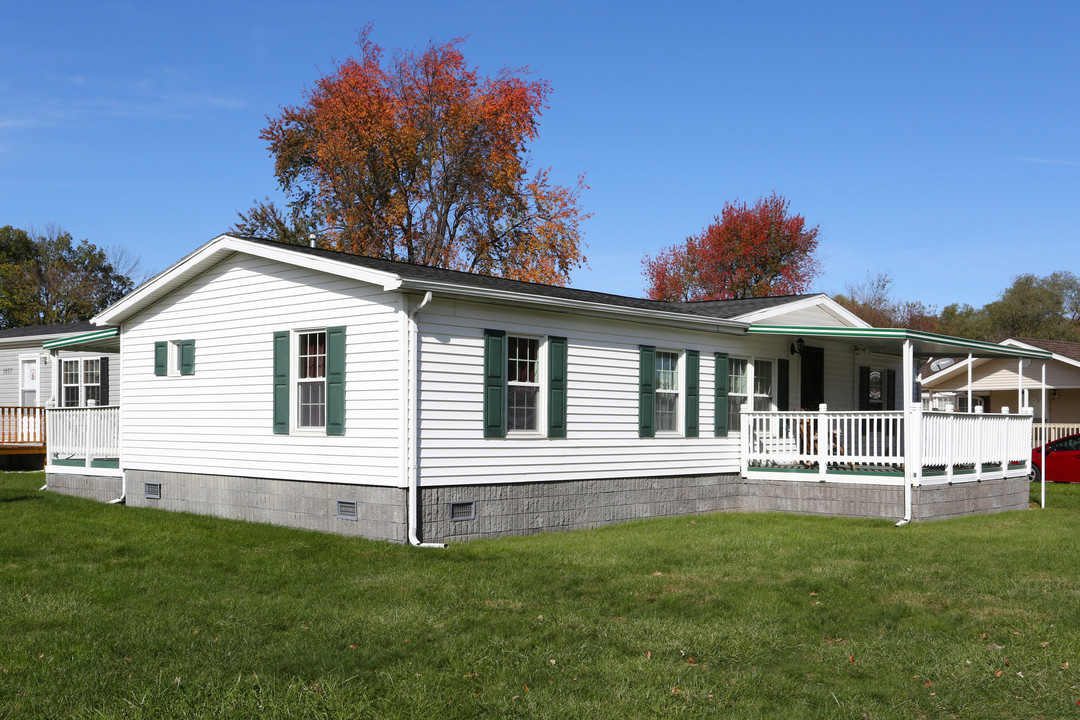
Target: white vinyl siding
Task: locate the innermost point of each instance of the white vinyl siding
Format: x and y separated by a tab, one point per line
602	400
220	420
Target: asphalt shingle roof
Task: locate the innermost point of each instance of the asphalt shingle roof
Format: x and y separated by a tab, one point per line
57	329
720	309
1068	349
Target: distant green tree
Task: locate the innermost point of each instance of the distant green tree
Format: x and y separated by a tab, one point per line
963	320
47	278
1040	307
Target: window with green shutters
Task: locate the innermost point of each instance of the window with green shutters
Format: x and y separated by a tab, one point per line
661	390
174	357
519	389
309	381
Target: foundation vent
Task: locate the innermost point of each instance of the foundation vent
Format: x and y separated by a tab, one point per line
346	509
463	510
152	491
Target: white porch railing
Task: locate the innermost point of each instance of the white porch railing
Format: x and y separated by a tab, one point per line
872	443
83	435
817	440
968	442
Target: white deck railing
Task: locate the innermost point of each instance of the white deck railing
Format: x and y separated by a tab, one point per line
85	433
805	439
873	442
972	440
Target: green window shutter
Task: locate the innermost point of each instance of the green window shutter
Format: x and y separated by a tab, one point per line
693	390
647	391
104	392
187	357
783	372
281	383
335	381
556	387
720	395
494	383
890	390
864	388
161	358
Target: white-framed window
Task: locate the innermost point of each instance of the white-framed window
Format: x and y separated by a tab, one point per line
523	381
738	373
81	382
310	385
764	385
667	391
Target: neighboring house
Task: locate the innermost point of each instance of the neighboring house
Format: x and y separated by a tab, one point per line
32	377
993	383
323	390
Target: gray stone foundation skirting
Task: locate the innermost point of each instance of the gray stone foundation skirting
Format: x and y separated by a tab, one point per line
95	487
525	508
467	512
380	512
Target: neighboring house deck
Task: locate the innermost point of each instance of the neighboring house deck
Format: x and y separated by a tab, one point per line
32	377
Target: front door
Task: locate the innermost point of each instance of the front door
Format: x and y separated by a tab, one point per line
812	377
28	383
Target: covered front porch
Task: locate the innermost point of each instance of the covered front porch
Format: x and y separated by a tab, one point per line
883	437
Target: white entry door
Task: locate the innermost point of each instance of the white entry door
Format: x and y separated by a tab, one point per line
28	382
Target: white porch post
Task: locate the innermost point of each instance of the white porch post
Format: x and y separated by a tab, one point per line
744	439
970	409
824	441
1019	384
1042	479
912	432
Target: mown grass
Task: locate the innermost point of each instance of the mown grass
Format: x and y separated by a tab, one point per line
108	611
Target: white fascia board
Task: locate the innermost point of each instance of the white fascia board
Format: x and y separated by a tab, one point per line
466	292
824	301
214	252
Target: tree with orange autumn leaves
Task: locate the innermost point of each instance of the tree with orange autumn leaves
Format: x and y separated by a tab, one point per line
746	252
422	160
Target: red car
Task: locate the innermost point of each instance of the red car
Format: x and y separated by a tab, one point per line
1062	460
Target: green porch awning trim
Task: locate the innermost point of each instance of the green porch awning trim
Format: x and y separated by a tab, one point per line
887	340
103	334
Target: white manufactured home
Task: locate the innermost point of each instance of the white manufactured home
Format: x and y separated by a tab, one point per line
317	389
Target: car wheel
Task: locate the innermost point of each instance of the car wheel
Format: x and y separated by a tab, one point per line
1035	475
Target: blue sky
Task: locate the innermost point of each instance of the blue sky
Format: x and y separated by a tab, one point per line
938	141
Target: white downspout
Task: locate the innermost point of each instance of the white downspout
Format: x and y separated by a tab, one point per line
412	427
911	450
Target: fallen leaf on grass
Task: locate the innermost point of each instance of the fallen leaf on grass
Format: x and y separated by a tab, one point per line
995	646
1065	666
998	673
851	659
648	654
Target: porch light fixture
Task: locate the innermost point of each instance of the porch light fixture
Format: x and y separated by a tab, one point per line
797	346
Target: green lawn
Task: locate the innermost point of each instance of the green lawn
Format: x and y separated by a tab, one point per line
108	611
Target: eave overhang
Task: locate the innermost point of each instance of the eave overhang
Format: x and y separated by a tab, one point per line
890	341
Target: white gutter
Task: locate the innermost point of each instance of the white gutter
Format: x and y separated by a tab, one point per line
475	294
412	427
